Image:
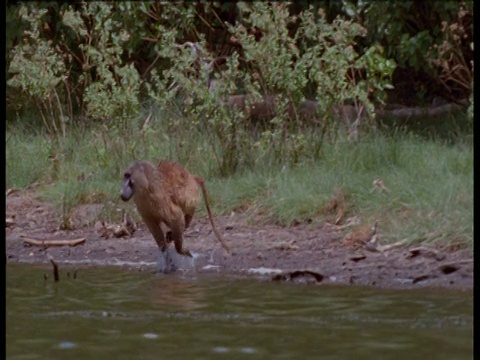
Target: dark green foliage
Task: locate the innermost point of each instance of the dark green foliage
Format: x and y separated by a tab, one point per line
431	41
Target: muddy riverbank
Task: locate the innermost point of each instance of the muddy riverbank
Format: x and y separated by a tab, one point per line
303	253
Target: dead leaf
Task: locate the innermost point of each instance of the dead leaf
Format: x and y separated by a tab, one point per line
363	235
378	185
11	191
127	228
337	206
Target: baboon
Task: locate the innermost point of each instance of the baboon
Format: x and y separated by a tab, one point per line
168	194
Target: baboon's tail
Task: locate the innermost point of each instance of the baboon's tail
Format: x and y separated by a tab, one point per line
201	182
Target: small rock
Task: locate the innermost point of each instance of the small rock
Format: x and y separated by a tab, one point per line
302	276
449	268
420	278
357	257
426	252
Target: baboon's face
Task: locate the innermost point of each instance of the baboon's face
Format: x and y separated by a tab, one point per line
128	186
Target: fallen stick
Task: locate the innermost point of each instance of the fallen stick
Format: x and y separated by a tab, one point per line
48	243
55	270
459	262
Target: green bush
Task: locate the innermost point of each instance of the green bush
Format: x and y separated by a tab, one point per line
279	64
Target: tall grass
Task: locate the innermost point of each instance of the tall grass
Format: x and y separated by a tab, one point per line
429	196
27	159
429	192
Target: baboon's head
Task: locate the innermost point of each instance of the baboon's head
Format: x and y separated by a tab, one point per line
133	178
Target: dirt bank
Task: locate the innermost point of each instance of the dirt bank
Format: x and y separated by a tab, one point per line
305	253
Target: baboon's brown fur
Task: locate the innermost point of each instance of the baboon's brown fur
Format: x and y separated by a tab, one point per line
166	194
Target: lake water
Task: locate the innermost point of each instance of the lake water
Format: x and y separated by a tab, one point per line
115	313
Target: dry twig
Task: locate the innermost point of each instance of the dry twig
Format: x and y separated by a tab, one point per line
56	276
48	243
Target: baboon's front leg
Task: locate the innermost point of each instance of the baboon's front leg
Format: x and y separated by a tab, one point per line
164	261
157	233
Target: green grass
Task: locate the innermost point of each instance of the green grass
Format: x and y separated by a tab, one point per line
430	183
430	188
26	159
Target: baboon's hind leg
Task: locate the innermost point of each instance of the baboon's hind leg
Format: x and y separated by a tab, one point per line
177	236
188	220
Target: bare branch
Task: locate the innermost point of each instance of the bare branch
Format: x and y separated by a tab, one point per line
48	243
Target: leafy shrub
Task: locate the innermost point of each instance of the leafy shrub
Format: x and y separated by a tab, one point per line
42	69
38	70
280	64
